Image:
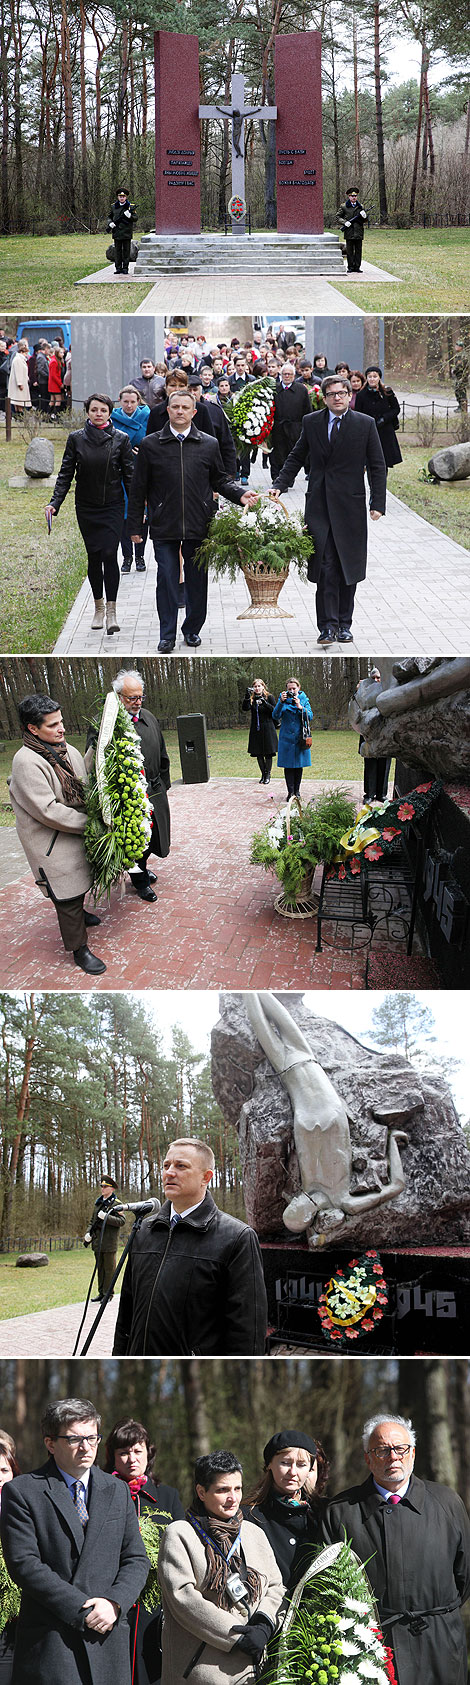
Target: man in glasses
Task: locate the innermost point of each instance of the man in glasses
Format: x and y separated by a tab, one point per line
71	1540
414	1537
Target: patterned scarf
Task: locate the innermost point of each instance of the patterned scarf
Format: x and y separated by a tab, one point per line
72	787
218	1569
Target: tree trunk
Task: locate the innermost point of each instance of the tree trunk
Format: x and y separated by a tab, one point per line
196	1413
5	39
66	75
357	132
414	181
383	211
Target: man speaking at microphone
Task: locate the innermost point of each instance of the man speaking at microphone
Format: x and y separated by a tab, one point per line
193	1284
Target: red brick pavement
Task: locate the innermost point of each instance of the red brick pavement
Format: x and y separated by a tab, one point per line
213	925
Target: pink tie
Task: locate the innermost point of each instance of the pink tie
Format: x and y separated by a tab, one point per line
395	1498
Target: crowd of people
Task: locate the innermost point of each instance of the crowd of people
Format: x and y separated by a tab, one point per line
158	459
39	378
119	1581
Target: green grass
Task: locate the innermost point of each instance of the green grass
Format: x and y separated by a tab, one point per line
432	266
334	755
63	1281
446	505
40	576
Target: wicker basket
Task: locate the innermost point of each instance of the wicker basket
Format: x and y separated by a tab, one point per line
264	589
305	905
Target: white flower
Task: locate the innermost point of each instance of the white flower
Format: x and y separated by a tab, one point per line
344	1625
350	1649
369	1670
364	1635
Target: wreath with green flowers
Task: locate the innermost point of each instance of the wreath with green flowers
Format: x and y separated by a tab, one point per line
119	815
354	1300
331	1633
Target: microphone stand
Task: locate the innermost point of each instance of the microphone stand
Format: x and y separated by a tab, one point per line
104	1302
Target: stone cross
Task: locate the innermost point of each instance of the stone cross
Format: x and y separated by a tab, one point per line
237	112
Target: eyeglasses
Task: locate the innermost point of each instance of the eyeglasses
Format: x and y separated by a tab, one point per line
385	1451
81	1438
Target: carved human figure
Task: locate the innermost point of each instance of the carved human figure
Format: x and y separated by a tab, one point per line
321	1127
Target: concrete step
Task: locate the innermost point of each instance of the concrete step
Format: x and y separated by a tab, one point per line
163	254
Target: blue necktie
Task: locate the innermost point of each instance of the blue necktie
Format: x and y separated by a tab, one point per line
180	436
175	1219
79	1501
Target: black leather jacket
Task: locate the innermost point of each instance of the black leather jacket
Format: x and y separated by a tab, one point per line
195	1289
177	482
101	461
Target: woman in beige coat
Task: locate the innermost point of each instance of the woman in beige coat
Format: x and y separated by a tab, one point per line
18	384
47	796
221	1586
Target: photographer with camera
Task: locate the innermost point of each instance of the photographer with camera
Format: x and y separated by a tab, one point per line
262	741
102	1235
294	716
221	1586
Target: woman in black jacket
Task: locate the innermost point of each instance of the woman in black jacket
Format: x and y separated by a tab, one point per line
380	402
286	1502
101	461
262	741
8	1469
130	1455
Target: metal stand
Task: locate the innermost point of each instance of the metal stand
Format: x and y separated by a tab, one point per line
120	1266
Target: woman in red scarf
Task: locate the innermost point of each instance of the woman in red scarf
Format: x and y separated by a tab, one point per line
130	1455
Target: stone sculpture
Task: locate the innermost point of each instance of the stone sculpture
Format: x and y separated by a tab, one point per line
366	1103
423	716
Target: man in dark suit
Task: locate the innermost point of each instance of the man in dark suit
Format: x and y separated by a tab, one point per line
291	403
71	1541
414	1537
339	449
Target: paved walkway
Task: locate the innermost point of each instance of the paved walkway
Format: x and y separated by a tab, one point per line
415	600
53	1333
207	294
214	924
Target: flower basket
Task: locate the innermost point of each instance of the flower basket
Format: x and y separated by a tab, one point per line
294	842
261	543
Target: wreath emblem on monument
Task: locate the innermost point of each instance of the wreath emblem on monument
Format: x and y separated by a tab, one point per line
354	1299
236	208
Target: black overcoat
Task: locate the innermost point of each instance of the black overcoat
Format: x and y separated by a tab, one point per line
385	410
157	773
294	1533
335	490
417	1556
262	738
163	1504
58	1565
290	406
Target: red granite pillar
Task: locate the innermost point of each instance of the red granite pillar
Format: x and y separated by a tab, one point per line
299	133
177	134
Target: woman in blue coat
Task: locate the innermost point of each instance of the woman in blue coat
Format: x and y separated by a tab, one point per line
293	714
130	416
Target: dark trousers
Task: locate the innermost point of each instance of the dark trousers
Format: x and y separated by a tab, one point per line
265	763
167	556
103	573
139	874
293	777
128	548
106	1266
354	254
334	598
376	772
122	252
244	464
71	919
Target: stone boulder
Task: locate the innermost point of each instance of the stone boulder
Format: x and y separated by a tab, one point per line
381	1091
39	459
453	463
31	1260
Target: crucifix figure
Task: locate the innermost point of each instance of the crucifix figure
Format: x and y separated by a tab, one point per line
237	113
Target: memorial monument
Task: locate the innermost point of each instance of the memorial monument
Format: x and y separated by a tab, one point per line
300	242
344	1147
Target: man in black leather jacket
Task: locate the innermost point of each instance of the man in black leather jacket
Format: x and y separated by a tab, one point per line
194	1281
176	473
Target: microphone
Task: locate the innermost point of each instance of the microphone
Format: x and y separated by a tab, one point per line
140	1205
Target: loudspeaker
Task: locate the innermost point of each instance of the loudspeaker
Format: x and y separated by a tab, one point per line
192	740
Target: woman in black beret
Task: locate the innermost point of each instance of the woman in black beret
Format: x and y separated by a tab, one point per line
287	1501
